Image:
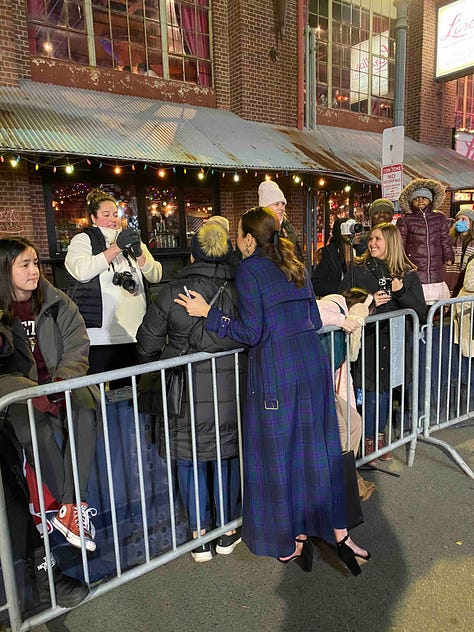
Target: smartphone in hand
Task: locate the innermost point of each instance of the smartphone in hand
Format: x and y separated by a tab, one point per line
186	291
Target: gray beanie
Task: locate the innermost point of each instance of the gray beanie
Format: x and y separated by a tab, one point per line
469	214
421	192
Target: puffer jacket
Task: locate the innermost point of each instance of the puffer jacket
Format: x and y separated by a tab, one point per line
62	338
165	332
425	234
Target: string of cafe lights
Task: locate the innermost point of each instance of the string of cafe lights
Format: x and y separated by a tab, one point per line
68	166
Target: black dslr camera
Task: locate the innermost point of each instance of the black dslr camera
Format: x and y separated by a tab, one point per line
125	280
385	284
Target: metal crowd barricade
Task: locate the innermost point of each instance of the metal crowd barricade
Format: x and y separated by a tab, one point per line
446	382
118	462
403	327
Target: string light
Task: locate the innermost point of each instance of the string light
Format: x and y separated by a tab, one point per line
296	179
69	168
117	169
14	162
201	175
236	177
161	173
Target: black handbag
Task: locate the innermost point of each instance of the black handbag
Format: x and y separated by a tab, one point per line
175	379
354	514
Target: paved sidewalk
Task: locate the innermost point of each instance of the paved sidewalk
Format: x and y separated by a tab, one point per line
419	529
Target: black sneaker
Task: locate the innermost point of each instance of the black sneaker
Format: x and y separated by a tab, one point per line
69	591
227	543
202	554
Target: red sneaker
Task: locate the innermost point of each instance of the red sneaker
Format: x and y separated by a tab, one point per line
66	522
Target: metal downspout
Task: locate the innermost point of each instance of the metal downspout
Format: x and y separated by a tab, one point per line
401	26
300	61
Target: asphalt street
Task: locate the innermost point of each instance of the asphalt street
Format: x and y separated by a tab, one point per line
418	527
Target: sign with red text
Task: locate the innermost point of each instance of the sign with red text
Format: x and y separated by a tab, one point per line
455	40
392	182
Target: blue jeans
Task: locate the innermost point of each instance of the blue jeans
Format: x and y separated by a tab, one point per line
207	475
371	410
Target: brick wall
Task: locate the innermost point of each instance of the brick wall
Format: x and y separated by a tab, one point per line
262	88
14	55
429	105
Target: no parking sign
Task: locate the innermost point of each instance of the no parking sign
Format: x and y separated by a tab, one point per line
392	181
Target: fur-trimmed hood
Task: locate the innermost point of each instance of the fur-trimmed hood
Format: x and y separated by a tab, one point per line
435	186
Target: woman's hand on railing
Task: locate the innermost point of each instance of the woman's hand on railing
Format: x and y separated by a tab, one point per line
195	306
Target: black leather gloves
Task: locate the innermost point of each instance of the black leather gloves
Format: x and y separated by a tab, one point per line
129	239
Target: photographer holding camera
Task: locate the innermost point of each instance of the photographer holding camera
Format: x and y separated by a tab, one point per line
107	266
384	271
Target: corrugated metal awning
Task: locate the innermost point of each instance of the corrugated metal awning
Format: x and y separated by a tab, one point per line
49	119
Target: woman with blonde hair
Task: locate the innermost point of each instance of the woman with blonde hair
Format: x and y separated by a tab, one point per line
385	271
293	476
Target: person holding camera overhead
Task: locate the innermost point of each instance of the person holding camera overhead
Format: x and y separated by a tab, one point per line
108	265
385	271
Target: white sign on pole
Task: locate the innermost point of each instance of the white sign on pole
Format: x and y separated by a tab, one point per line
392	181
393	144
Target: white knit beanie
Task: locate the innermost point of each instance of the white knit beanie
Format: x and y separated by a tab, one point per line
270	193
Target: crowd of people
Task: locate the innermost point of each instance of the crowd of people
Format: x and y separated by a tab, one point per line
263	300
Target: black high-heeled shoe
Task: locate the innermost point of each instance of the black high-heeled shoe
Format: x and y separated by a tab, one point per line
349	557
305	559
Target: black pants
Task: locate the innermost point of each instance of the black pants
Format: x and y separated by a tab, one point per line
109	357
56	463
25	537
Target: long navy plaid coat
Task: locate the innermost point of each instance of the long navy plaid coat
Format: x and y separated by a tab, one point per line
293	480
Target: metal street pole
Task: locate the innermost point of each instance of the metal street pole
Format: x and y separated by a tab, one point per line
401	25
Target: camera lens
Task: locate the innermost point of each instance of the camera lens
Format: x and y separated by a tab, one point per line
358	228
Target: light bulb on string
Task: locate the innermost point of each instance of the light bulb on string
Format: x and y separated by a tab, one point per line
69	168
117	170
161	173
201	175
236	177
133	167
347	188
296	179
13	162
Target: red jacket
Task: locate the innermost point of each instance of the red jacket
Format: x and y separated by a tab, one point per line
427	244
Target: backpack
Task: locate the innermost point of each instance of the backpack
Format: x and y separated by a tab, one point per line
339	344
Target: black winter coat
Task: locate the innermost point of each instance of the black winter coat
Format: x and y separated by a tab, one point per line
409	297
328	274
166	330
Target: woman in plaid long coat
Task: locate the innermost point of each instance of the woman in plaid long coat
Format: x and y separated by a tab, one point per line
293	479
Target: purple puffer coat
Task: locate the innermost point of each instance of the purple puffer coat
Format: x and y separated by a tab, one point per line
425	234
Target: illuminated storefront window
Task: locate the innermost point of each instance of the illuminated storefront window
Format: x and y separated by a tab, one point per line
354	48
169	39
